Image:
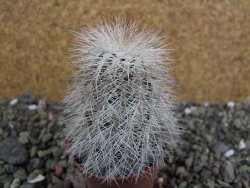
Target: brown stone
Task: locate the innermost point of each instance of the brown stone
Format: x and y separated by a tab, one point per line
58	169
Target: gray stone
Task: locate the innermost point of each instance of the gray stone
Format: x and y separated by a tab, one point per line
47	137
70	169
2	170
244	169
13	152
38	171
56	136
237	123
55	179
222	183
248	144
20	174
182	184
181	171
43	153
34	141
210	183
27	185
15	184
238	185
208	138
2	134
196	147
33	175
9	168
50	164
198	167
227	172
56	151
216	170
36	163
5	178
246	102
7	184
33	151
205	174
24	137
63	163
189	162
220	148
41	106
50	185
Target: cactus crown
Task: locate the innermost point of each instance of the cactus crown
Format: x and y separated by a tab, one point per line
119	112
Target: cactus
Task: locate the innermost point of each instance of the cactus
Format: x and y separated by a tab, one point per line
119	111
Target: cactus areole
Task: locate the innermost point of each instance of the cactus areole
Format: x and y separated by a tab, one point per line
119	111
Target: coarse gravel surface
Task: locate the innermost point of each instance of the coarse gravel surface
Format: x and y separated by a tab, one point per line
214	151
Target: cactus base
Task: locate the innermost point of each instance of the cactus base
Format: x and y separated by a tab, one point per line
144	181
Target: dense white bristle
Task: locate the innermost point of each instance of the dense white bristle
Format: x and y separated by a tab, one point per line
119	113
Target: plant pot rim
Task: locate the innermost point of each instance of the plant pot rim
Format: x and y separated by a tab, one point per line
150	171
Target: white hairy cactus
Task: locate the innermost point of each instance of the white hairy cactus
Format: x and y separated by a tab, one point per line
119	112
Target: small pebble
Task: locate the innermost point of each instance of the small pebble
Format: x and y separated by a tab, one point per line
44	153
220	147
229	153
7	184
182	184
58	170
210	183
20	174
24	137
37	179
227	172
33	151
15	184
47	137
55	179
13	102
2	170
56	151
242	144
50	164
230	104
32	107
189	162
187	111
36	163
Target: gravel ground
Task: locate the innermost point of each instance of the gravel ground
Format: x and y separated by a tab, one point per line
214	151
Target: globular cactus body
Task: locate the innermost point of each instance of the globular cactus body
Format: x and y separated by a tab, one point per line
119	112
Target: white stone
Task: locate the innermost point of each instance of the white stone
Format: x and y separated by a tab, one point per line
206	104
242	144
229	153
11	125
37	179
160	180
187	111
32	107
13	102
230	104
